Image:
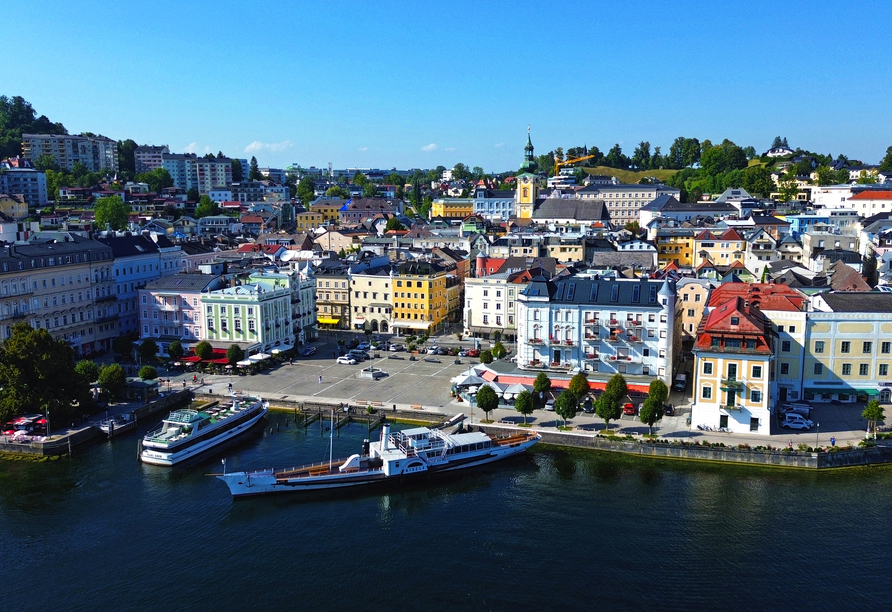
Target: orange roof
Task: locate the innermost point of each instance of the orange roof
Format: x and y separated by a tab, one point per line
872	195
767	296
730	234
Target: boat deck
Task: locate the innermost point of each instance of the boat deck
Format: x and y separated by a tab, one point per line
513	439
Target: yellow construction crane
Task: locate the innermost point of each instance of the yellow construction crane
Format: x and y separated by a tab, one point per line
558	164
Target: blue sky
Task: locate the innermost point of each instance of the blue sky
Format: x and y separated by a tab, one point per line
421	84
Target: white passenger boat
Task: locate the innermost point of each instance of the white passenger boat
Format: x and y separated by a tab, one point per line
185	434
396	456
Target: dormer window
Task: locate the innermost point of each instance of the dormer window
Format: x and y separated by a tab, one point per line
735	320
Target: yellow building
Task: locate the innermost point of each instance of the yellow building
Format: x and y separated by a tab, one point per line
693	295
719	250
309	220
527	184
675	244
420	302
329	208
13	207
452	208
732	377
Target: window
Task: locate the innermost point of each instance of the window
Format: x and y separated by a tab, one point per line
864	369
785	346
792	329
784	368
707	393
707	367
886	347
819	369
756	396
735	320
867	347
819	346
757	371
845	346
846	369
883	369
690	312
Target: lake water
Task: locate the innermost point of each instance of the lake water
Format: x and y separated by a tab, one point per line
553	529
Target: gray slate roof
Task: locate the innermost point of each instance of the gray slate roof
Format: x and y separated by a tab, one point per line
858	301
571	208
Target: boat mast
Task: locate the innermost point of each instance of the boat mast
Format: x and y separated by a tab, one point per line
331	441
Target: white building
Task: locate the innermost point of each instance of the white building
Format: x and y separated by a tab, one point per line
594	324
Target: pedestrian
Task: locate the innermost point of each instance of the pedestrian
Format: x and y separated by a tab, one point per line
320	379
290	361
184	383
230	387
790	444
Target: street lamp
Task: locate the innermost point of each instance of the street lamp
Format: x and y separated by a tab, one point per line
817	433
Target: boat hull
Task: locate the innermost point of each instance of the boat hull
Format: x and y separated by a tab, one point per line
251	484
156	456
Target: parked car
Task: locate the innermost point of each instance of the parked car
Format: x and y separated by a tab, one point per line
358	355
364	346
796	421
395	348
352	343
668	410
345	360
473	353
463	353
432	350
629	408
308	350
549	405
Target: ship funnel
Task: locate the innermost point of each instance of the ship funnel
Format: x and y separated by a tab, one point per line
385	436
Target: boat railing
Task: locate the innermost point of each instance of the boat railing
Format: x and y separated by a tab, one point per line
306	471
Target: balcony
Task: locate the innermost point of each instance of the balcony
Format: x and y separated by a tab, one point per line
592	356
535	340
569	342
737	407
614	338
634	338
106	298
591	336
731	384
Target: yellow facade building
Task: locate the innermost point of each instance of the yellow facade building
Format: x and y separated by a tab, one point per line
420	302
452	208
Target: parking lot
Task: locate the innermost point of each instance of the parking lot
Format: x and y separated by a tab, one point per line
425	381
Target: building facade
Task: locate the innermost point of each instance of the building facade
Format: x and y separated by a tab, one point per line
95	152
170	309
598	325
420	303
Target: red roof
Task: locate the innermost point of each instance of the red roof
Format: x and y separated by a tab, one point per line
766	296
735	318
730	234
872	195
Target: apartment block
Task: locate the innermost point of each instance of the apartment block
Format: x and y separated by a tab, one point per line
94	152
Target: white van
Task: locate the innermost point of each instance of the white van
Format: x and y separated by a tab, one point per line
796	421
798	408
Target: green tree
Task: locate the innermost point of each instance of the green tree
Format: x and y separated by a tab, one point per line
17	117
787	188
825	175
122	345
523	403
757	180
393	224
157	179
542	384
37	374
651	412
87	369
873	412
886	162
579	385
206	207
306	190
238	173
360	179
641	156
148	350
617	386
148	372
478	172
608	407
175	350
566	405
866	178
615	158
336	191
498	350
46	161
658	391
234	354
254	172
460	172
113	380
127	156
112	212
192	195
369	190
204	350
487	400
486	356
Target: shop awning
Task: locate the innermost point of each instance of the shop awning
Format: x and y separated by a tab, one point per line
413	325
328	321
867	391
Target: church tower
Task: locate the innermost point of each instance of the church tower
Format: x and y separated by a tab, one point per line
527	188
